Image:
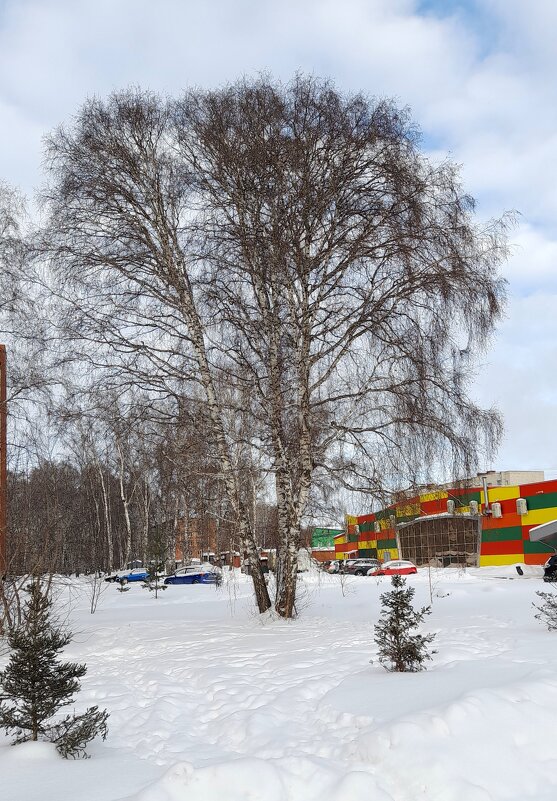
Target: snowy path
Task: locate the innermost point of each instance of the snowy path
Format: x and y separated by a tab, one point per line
208	701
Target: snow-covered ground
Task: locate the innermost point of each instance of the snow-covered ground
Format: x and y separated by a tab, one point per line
210	702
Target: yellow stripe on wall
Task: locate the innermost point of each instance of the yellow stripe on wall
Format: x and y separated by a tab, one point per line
502	493
368	544
538	516
392	551
434	496
408	509
501	559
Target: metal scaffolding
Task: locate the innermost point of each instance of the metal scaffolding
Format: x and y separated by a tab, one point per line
441	540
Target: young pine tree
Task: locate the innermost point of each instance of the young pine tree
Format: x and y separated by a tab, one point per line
155	581
399	649
35	685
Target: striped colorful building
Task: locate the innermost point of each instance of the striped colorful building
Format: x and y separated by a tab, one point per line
503	524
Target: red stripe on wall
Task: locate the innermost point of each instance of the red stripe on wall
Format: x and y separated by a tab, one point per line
351	548
508	506
505	547
434	507
540	486
502	522
535	558
526	532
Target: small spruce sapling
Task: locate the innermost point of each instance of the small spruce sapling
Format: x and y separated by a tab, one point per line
547	611
154	582
35	685
400	650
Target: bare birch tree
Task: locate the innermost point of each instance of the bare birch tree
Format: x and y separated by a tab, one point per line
119	204
291	254
353	286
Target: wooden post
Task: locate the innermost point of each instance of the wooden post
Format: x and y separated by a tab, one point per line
3	459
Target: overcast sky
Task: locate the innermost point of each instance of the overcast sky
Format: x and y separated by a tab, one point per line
479	75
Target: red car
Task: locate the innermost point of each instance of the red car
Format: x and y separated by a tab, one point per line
397	567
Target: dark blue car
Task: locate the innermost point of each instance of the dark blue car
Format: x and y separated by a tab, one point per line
123	576
195	574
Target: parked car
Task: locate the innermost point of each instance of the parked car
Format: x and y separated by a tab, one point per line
196	574
123	576
361	567
550	569
397	567
334	566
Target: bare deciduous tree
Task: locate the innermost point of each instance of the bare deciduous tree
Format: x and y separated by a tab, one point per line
118	234
352	283
290	253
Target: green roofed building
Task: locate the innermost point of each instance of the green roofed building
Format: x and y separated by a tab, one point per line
324	537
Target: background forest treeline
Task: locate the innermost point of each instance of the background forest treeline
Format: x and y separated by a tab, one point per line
122	490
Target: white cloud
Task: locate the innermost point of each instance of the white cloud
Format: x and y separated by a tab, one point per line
20	145
532	267
519	377
481	81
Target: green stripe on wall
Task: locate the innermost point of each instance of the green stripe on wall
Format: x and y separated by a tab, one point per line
381	544
367	527
537	547
502	534
542	501
464	500
367	553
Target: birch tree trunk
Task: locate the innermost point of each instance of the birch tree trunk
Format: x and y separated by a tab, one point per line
230	477
107	519
145	513
125	504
